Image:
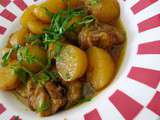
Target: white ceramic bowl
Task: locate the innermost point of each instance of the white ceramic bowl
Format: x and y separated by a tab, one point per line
135	92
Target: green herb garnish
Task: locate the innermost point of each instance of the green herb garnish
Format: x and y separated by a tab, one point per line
28	57
85	100
6	56
94	2
60	24
58	49
21	73
43	105
31	38
54	76
42	78
24	54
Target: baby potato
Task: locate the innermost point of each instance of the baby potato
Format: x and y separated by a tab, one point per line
36	26
106	11
41	14
27	15
73	63
101	68
18	37
40	58
44	4
8	79
74	3
55	5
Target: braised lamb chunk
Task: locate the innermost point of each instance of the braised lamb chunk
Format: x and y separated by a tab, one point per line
58	100
100	35
74	92
88	90
38	99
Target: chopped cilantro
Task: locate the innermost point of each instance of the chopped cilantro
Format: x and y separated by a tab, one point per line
94	2
21	73
58	48
31	38
43	105
6	56
85	100
24	54
53	75
60	24
42	78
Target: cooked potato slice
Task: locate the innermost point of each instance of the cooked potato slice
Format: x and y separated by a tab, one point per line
8	79
27	15
41	14
73	63
44	4
36	26
55	5
39	58
74	3
101	67
105	11
18	37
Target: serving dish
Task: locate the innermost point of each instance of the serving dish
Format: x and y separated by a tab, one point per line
134	93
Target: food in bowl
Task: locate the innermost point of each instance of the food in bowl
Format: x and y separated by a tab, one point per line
64	53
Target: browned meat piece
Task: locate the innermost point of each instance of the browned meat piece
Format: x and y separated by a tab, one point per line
38	96
57	98
21	94
74	92
45	100
88	90
100	35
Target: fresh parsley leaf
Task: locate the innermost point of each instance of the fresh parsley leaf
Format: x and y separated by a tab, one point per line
87	20
28	57
43	105
24	54
53	75
58	48
61	24
21	73
94	2
6	56
85	100
42	78
31	38
20	55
